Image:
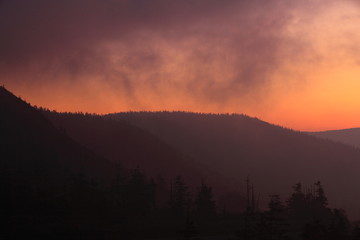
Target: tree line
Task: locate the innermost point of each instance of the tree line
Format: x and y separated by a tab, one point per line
136	207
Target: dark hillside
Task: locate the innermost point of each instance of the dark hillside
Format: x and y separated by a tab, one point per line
237	146
133	147
50	186
349	136
29	141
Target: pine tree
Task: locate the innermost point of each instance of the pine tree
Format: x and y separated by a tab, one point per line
320	197
180	200
276	216
297	199
139	194
272	224
204	203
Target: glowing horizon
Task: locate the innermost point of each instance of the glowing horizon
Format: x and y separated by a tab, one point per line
293	64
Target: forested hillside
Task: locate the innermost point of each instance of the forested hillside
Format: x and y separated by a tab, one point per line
238	145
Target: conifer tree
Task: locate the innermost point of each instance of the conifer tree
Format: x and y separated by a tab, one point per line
297	199
276	217
138	197
204	203
180	200
272	224
320	197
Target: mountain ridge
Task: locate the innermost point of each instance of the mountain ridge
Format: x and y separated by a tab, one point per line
133	147
225	147
240	146
29	137
349	136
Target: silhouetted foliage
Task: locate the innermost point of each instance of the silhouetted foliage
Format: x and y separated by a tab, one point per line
275	218
320	197
139	195
236	145
53	188
205	206
339	226
355	234
189	231
315	230
296	201
180	199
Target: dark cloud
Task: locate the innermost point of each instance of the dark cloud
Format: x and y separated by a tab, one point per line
213	49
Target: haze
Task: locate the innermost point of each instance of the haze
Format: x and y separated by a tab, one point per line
292	63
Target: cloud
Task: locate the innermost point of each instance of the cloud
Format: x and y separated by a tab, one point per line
206	51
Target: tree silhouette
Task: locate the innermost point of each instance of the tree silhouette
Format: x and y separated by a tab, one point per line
320	197
139	195
276	218
204	204
297	199
180	199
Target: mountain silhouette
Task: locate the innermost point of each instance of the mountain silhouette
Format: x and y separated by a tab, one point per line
221	149
133	175
349	136
132	147
30	144
51	186
238	146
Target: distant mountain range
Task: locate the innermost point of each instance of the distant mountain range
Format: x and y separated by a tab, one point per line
131	146
275	158
349	136
222	150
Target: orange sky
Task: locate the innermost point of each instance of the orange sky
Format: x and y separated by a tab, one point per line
292	64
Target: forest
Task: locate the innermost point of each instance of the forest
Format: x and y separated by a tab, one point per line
138	207
63	178
179	119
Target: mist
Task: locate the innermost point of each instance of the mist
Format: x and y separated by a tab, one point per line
207	56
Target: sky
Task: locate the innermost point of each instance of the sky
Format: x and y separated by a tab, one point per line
291	63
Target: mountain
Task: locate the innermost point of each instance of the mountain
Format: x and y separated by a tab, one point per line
273	157
132	147
30	143
54	187
347	136
51	187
